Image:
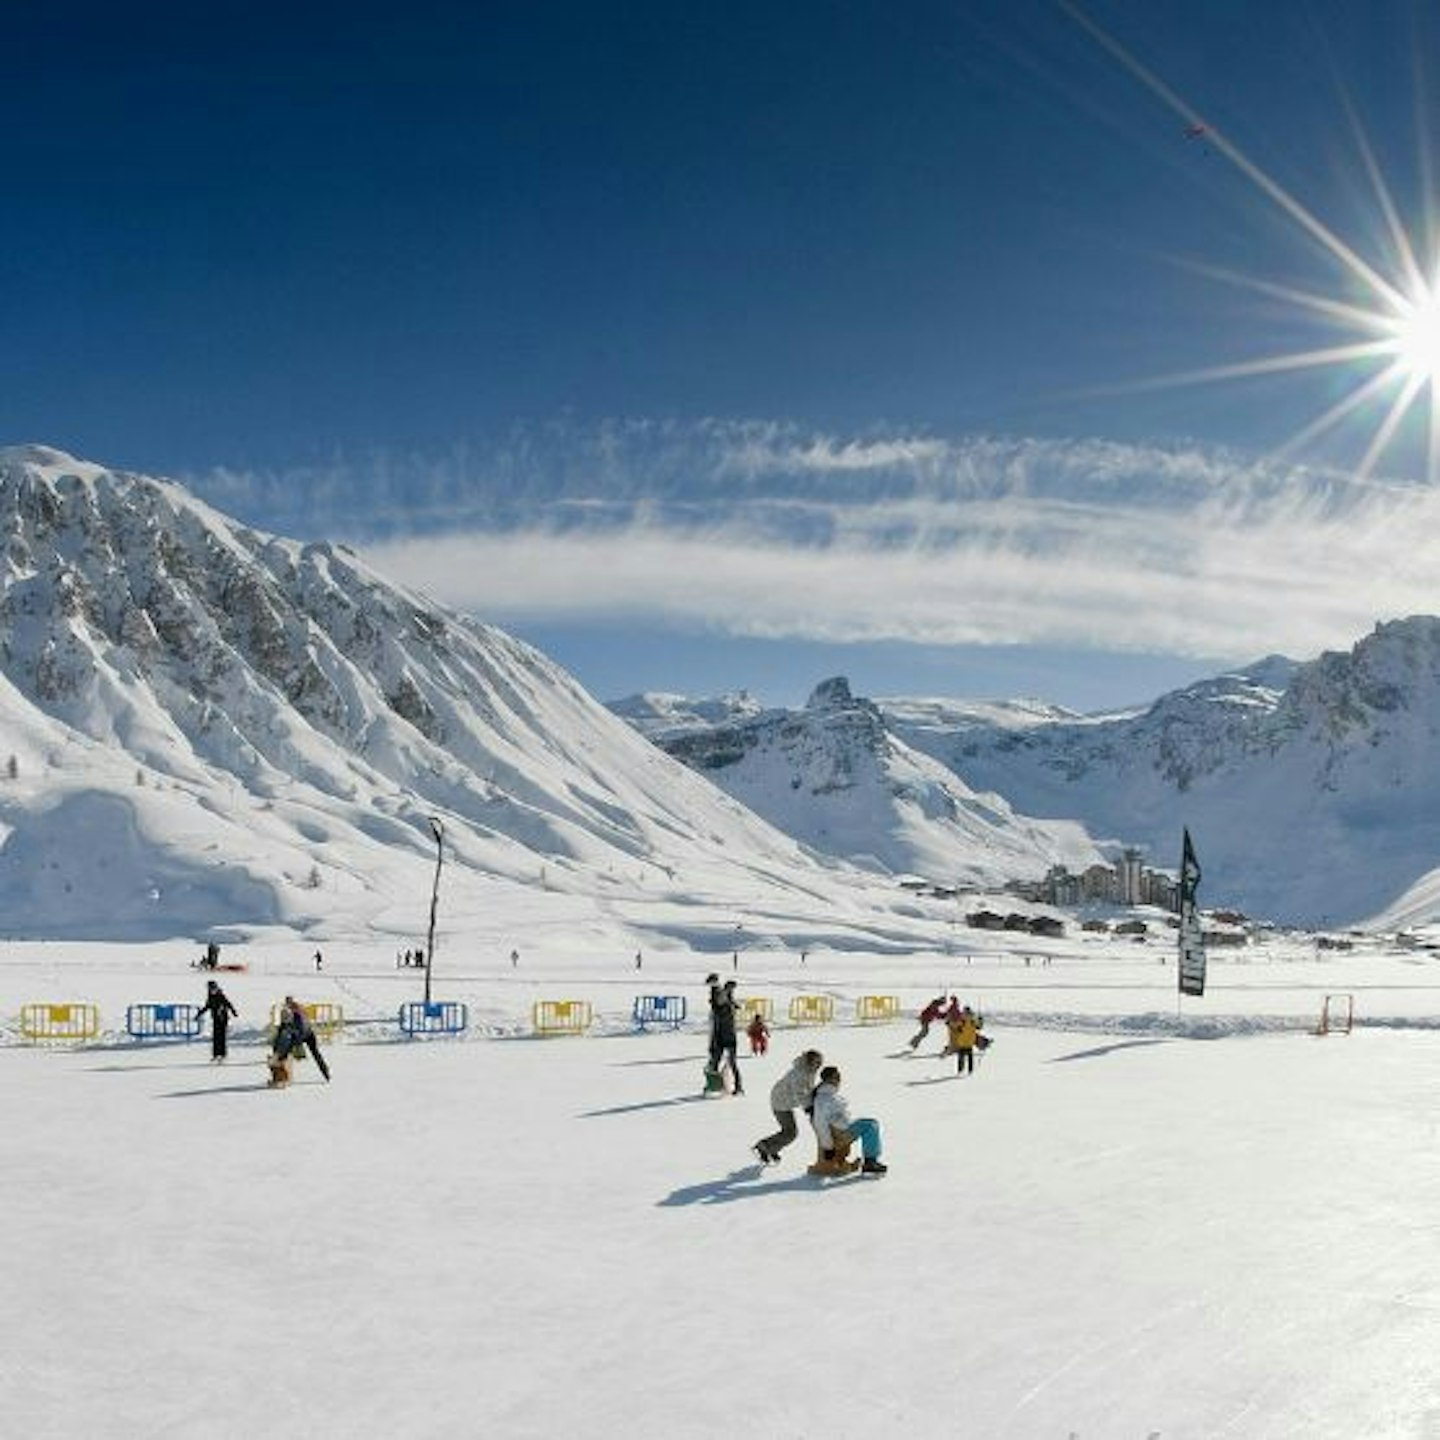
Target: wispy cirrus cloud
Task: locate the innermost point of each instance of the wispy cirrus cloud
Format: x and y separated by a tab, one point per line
761	530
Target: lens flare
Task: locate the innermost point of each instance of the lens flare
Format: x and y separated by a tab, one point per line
1389	336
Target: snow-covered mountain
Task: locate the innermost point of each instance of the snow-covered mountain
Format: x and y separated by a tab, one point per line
202	726
834	777
655	713
1312	790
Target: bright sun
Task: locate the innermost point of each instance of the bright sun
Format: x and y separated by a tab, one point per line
1384	317
1417	337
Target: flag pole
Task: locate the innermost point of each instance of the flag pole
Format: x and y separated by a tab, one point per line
438	831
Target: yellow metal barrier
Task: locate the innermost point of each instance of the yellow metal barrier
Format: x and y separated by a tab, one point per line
872	1008
562	1017
753	1005
59	1022
812	1010
327	1017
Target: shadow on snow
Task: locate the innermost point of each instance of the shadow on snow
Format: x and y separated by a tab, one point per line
734	1186
1105	1050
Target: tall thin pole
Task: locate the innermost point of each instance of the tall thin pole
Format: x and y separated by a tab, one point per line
438	831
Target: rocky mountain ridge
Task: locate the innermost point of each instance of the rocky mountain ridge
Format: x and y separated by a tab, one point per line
1311	789
203	727
835	777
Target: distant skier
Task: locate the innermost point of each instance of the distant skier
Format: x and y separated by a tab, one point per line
928	1016
791	1092
218	1007
319	960
835	1130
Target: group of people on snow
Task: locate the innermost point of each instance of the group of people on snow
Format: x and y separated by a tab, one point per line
809	1085
294	1032
814	1087
963	1027
723	1044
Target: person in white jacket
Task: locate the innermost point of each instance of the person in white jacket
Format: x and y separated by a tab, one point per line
833	1125
791	1092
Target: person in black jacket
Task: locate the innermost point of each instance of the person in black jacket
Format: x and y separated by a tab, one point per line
296	1031
722	1032
218	1007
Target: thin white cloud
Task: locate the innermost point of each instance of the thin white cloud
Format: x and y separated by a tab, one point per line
760	530
1203	583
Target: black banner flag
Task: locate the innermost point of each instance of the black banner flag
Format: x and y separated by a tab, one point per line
1192	938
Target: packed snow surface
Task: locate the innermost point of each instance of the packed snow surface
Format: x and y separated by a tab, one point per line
1138	1218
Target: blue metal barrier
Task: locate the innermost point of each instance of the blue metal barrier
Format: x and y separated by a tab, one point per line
162	1022
437	1017
659	1010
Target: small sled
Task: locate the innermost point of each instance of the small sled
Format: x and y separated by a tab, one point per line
833	1162
714	1081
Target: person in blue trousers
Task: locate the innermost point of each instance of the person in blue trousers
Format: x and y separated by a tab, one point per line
833	1126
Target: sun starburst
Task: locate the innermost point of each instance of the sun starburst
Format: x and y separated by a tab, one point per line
1387	320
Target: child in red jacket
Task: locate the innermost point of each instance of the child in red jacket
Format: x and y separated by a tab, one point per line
759	1033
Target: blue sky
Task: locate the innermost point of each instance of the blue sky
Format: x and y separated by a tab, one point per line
514	295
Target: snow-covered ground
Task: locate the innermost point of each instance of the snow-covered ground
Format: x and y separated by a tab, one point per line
1116	1228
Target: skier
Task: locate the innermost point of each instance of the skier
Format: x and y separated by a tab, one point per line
218	1007
319	960
835	1130
928	1016
965	1031
759	1033
791	1092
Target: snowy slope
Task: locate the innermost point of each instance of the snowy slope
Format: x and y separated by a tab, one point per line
1111	1231
1312	790
211	727
835	778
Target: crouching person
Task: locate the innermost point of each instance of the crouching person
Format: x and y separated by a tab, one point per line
791	1092
835	1131
281	1048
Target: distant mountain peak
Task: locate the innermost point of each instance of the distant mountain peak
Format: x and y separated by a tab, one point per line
836	779
831	694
